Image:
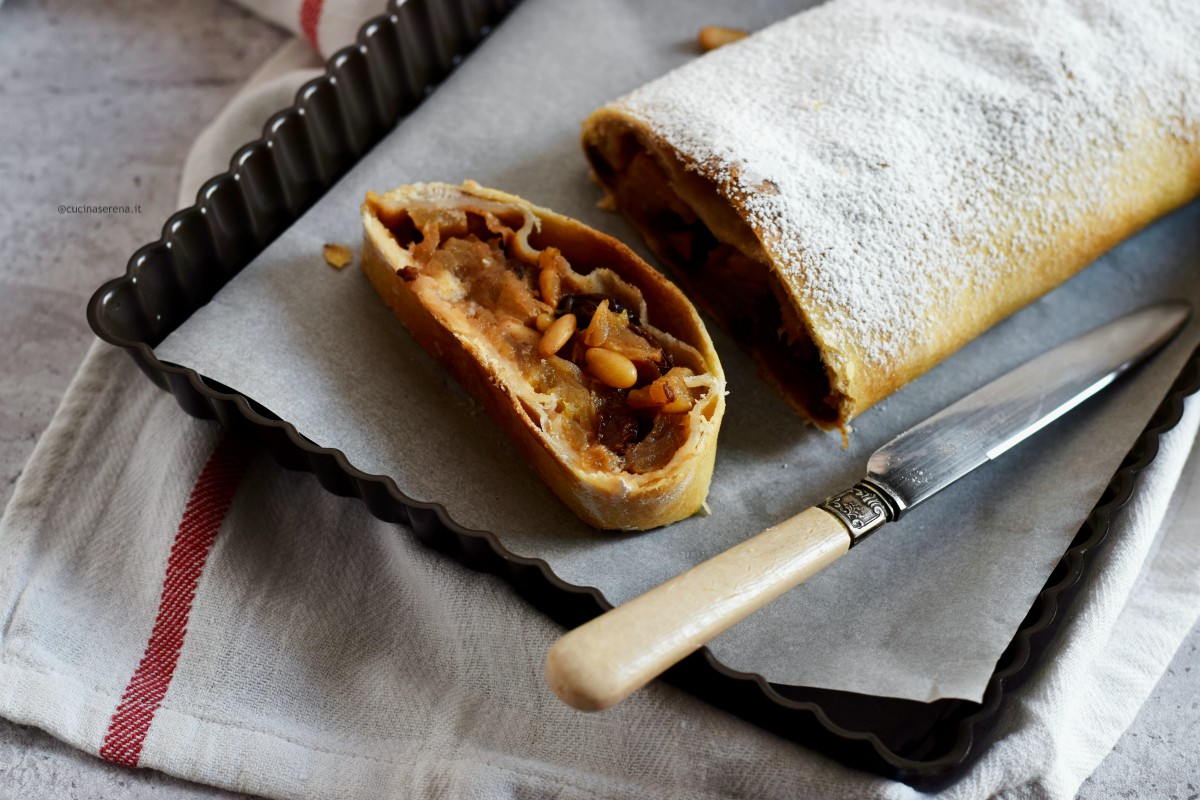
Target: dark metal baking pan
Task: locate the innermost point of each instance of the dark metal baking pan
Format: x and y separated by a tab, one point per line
366	90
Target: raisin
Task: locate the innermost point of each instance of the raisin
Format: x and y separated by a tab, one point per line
583	306
703	244
618	427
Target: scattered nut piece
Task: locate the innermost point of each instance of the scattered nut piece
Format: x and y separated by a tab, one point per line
543	320
714	36
338	255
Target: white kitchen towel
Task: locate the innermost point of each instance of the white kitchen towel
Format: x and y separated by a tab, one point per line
170	599
327	25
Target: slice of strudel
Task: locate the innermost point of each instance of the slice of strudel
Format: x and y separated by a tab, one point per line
597	368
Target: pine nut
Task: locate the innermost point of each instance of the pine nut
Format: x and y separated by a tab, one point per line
714	36
612	368
550	285
522	334
544	320
558	334
338	255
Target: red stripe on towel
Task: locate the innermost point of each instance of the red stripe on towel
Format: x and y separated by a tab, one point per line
202	517
310	18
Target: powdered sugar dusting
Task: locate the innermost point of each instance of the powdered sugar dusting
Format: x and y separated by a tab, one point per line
906	138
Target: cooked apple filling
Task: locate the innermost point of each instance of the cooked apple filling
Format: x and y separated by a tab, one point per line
720	261
575	346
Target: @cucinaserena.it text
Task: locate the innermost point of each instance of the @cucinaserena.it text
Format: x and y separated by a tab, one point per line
88	208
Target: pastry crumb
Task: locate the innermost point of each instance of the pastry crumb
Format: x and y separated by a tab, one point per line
713	36
338	255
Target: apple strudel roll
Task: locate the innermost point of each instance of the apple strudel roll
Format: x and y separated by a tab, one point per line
859	190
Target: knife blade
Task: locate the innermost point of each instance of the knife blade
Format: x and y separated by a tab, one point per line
602	662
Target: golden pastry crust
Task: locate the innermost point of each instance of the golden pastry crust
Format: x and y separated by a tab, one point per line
844	195
489	337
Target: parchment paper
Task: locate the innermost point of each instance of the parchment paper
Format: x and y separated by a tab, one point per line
921	611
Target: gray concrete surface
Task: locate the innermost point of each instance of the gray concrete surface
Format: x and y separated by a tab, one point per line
1159	755
99	103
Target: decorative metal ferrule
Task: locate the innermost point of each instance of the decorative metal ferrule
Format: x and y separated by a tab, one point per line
862	508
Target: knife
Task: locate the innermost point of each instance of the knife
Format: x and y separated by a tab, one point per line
602	662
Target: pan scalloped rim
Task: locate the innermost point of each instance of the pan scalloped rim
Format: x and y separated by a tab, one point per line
366	89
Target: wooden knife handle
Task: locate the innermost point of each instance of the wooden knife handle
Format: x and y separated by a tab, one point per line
599	664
